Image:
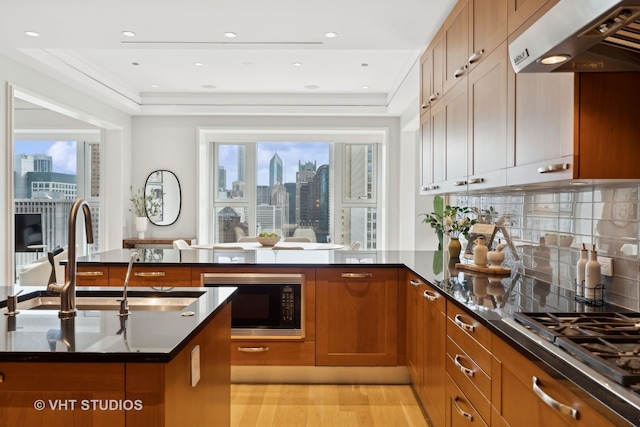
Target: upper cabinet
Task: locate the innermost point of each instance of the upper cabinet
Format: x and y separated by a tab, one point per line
487	28
456	45
431	74
521	10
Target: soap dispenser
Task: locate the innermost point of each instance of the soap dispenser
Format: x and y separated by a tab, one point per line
580	270
591	274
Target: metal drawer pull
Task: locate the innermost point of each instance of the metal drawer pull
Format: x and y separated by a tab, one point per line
89	273
414	283
149	273
260	349
466	415
434	187
356	275
430	295
459	72
468	372
434	96
552	403
465	326
459	183
558	167
476	55
476	181
1	378
425	105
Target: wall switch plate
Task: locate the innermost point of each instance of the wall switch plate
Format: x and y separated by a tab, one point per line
606	266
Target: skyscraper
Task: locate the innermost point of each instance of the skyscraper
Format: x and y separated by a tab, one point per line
275	171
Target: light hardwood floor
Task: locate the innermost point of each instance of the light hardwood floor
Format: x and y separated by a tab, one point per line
293	405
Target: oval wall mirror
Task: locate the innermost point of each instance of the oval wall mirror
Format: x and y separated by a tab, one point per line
163	186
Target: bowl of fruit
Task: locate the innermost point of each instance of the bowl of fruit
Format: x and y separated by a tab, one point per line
268	239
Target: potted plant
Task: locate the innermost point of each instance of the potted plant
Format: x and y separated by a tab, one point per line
452	221
143	206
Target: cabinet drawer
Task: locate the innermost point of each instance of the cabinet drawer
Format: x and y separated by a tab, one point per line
272	353
473	381
468	325
460	411
91	276
151	276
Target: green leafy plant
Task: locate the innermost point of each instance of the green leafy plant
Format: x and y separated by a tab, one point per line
144	205
452	220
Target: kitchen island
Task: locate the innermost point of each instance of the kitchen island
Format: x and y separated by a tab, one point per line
486	303
156	367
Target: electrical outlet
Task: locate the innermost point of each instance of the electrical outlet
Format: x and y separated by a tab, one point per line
606	266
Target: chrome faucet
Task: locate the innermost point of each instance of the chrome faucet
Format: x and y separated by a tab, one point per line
67	291
124	304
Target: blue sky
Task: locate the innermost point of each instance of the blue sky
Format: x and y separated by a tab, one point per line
62	152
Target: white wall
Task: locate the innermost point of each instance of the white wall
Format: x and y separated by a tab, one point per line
170	143
116	161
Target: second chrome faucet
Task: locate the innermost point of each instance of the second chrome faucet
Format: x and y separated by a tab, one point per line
124	304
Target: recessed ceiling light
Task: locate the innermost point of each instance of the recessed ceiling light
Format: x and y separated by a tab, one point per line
128	34
32	34
154	86
297	64
312	87
330	35
198	64
230	35
554	59
365	87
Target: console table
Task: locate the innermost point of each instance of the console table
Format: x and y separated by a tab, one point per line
154	242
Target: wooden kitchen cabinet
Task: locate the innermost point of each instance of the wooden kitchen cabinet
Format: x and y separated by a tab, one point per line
487	27
433	390
431	74
521	10
151	275
516	403
357	316
456	45
455	105
91	276
415	329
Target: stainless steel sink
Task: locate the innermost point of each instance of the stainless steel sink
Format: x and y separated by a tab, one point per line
152	302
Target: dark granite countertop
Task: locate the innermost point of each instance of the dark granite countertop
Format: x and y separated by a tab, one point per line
490	299
98	335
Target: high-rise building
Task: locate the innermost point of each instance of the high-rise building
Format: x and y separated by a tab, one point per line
291	193
303	176
222	178
319	194
241	163
275	171
263	195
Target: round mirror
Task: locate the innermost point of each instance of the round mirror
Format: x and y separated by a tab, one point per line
164	189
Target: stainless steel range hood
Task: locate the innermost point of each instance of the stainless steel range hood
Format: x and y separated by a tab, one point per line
593	35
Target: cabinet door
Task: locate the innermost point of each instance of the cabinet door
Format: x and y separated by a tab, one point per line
521	10
426	79
431	72
488	120
456	111
90	276
415	329
356	312
456	45
460	411
433	390
144	275
518	403
426	154
488	28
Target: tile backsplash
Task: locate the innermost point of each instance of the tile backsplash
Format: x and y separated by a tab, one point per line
548	228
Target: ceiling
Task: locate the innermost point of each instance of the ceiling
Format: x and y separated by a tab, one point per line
280	61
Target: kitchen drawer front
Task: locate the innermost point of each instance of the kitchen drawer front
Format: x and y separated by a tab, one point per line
459	410
476	388
277	353
90	276
465	367
476	342
151	276
433	296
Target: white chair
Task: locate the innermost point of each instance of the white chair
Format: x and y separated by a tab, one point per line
355	246
247	239
297	239
306	232
37	273
181	244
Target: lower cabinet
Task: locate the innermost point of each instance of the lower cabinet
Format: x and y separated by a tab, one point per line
357	316
459	409
270	352
90	276
526	395
151	276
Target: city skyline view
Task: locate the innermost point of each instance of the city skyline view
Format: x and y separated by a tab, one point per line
63	153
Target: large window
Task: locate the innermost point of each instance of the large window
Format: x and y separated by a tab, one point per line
322	189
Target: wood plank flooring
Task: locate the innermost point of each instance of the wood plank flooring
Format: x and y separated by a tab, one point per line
293	405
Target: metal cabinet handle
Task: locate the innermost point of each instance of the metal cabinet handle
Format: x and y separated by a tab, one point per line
456	361
460	71
1	378
430	295
356	275
460	183
465	326
414	283
551	402
434	187
260	349
476	55
466	415
476	181
149	273
89	273
558	167
424	105
434	96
